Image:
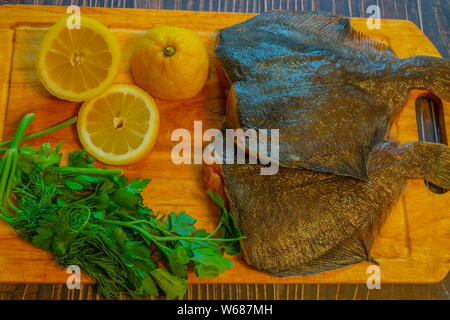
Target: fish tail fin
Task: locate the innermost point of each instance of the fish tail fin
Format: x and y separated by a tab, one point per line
428	161
433	74
440	78
356	168
439	171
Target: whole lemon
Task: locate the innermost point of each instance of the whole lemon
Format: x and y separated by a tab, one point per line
170	63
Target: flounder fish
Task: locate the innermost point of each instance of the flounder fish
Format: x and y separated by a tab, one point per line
301	222
331	91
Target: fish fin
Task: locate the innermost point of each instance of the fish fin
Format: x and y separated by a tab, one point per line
441	170
326	26
359	166
441	79
426	72
437	168
349	252
353	250
356	168
436	74
371	259
424	160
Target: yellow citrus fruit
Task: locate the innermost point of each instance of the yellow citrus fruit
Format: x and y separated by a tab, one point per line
170	63
78	64
120	126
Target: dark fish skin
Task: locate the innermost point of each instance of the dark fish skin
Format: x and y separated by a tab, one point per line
331	92
301	222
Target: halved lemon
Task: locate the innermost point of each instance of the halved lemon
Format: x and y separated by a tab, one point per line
120	126
78	64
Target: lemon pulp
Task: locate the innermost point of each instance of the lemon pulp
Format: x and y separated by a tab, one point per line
120	126
78	64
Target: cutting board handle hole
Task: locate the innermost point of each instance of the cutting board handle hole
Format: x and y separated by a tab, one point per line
431	126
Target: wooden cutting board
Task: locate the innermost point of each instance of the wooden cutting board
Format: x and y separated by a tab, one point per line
413	246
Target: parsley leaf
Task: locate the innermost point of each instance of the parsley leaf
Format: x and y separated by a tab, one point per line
80	159
181	223
209	264
173	286
48	157
130	195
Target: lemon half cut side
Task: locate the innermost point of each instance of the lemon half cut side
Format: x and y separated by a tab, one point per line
120	126
78	64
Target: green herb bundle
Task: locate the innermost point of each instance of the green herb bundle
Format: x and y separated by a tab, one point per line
95	218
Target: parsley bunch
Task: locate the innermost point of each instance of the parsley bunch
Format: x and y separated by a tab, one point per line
95	218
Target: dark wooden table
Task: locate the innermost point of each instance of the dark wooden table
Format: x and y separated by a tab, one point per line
431	16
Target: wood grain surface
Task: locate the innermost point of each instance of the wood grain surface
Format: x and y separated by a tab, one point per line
242	291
